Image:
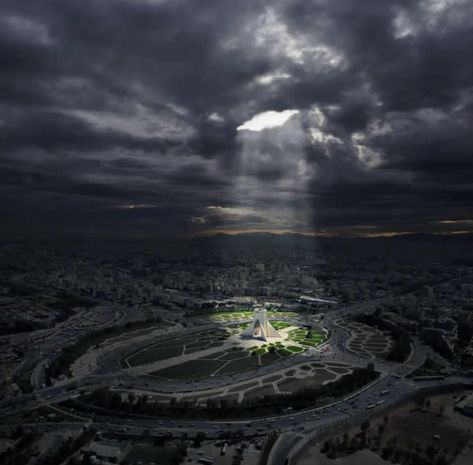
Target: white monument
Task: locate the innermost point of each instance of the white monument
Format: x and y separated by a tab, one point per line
260	327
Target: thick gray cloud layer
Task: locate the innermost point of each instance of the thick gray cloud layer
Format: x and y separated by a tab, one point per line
123	115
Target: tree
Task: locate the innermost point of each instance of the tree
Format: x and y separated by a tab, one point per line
116	400
131	398
199	437
464	331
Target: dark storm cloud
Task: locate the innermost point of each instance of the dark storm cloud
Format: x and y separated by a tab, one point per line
127	111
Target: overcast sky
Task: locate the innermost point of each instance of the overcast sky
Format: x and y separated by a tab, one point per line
198	116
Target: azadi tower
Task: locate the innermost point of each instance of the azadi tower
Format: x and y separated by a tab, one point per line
260	327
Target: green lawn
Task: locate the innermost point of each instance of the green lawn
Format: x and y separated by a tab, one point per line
239	315
178	346
191	369
228	361
236	366
269	358
283	352
281	324
235	355
135	333
260	351
153	354
295	349
308	338
260	392
310	343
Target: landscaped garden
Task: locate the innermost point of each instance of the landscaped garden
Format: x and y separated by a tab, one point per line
178	346
309	337
266	395
248	314
229	361
231	354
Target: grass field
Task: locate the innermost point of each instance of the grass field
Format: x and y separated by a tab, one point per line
290	381
229	360
308	338
178	346
281	324
189	370
269	358
283	352
154	354
230	363
125	336
260	392
259	351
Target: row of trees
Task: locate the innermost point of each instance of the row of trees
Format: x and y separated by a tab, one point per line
438	343
223	408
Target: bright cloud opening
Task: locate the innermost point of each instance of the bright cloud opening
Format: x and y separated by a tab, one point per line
267	120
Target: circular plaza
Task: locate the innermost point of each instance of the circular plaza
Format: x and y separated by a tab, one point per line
252	361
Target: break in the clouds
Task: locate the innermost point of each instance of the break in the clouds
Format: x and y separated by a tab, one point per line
266	120
178	117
